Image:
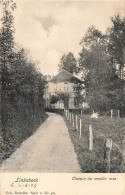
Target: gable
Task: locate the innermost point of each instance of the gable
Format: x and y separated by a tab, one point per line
65	76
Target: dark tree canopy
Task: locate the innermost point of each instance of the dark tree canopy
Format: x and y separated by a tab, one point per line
6	39
94	62
68	62
98	71
92	37
22	87
116	40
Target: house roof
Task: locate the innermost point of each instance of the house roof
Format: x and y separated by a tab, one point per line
64	76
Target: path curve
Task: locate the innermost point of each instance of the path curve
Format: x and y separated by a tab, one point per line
49	149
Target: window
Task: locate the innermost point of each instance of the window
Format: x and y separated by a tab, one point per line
76	101
65	86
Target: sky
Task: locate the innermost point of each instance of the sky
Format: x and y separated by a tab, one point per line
51	28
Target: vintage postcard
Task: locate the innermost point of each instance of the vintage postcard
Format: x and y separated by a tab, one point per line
62	101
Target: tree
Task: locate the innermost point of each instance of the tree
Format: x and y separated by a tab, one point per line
6	49
68	62
64	97
95	63
116	41
53	99
92	37
116	50
115	95
6	38
102	85
79	91
26	79
22	108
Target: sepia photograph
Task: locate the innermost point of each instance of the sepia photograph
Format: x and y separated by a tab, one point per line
62	76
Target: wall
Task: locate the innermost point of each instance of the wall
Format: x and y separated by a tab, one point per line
52	88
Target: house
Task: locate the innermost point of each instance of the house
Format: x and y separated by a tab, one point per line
120	72
65	84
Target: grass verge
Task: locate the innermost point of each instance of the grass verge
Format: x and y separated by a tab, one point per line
16	134
94	161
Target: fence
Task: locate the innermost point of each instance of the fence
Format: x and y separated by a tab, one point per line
113	113
96	139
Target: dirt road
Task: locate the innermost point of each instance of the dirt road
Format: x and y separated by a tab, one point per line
49	149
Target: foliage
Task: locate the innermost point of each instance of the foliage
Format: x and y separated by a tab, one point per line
60	96
92	37
104	90
116	97
53	99
6	40
64	97
116	40
79	91
95	61
22	87
68	62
